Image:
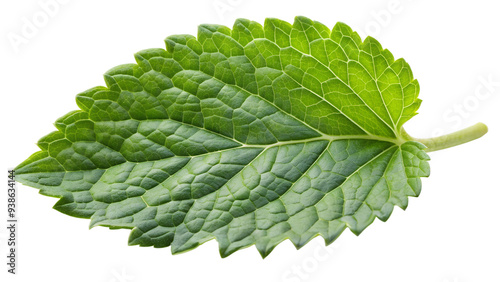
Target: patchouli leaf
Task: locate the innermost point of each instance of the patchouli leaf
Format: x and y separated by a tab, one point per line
250	136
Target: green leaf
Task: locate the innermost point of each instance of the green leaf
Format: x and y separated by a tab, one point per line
250	136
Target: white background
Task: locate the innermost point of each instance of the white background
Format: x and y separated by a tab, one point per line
450	233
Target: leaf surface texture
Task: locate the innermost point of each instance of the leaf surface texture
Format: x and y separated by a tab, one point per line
250	136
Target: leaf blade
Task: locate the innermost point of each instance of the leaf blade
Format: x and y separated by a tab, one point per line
249	136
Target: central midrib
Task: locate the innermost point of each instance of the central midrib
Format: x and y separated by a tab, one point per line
324	137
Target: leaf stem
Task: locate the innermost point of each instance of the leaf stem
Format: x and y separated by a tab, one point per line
450	140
